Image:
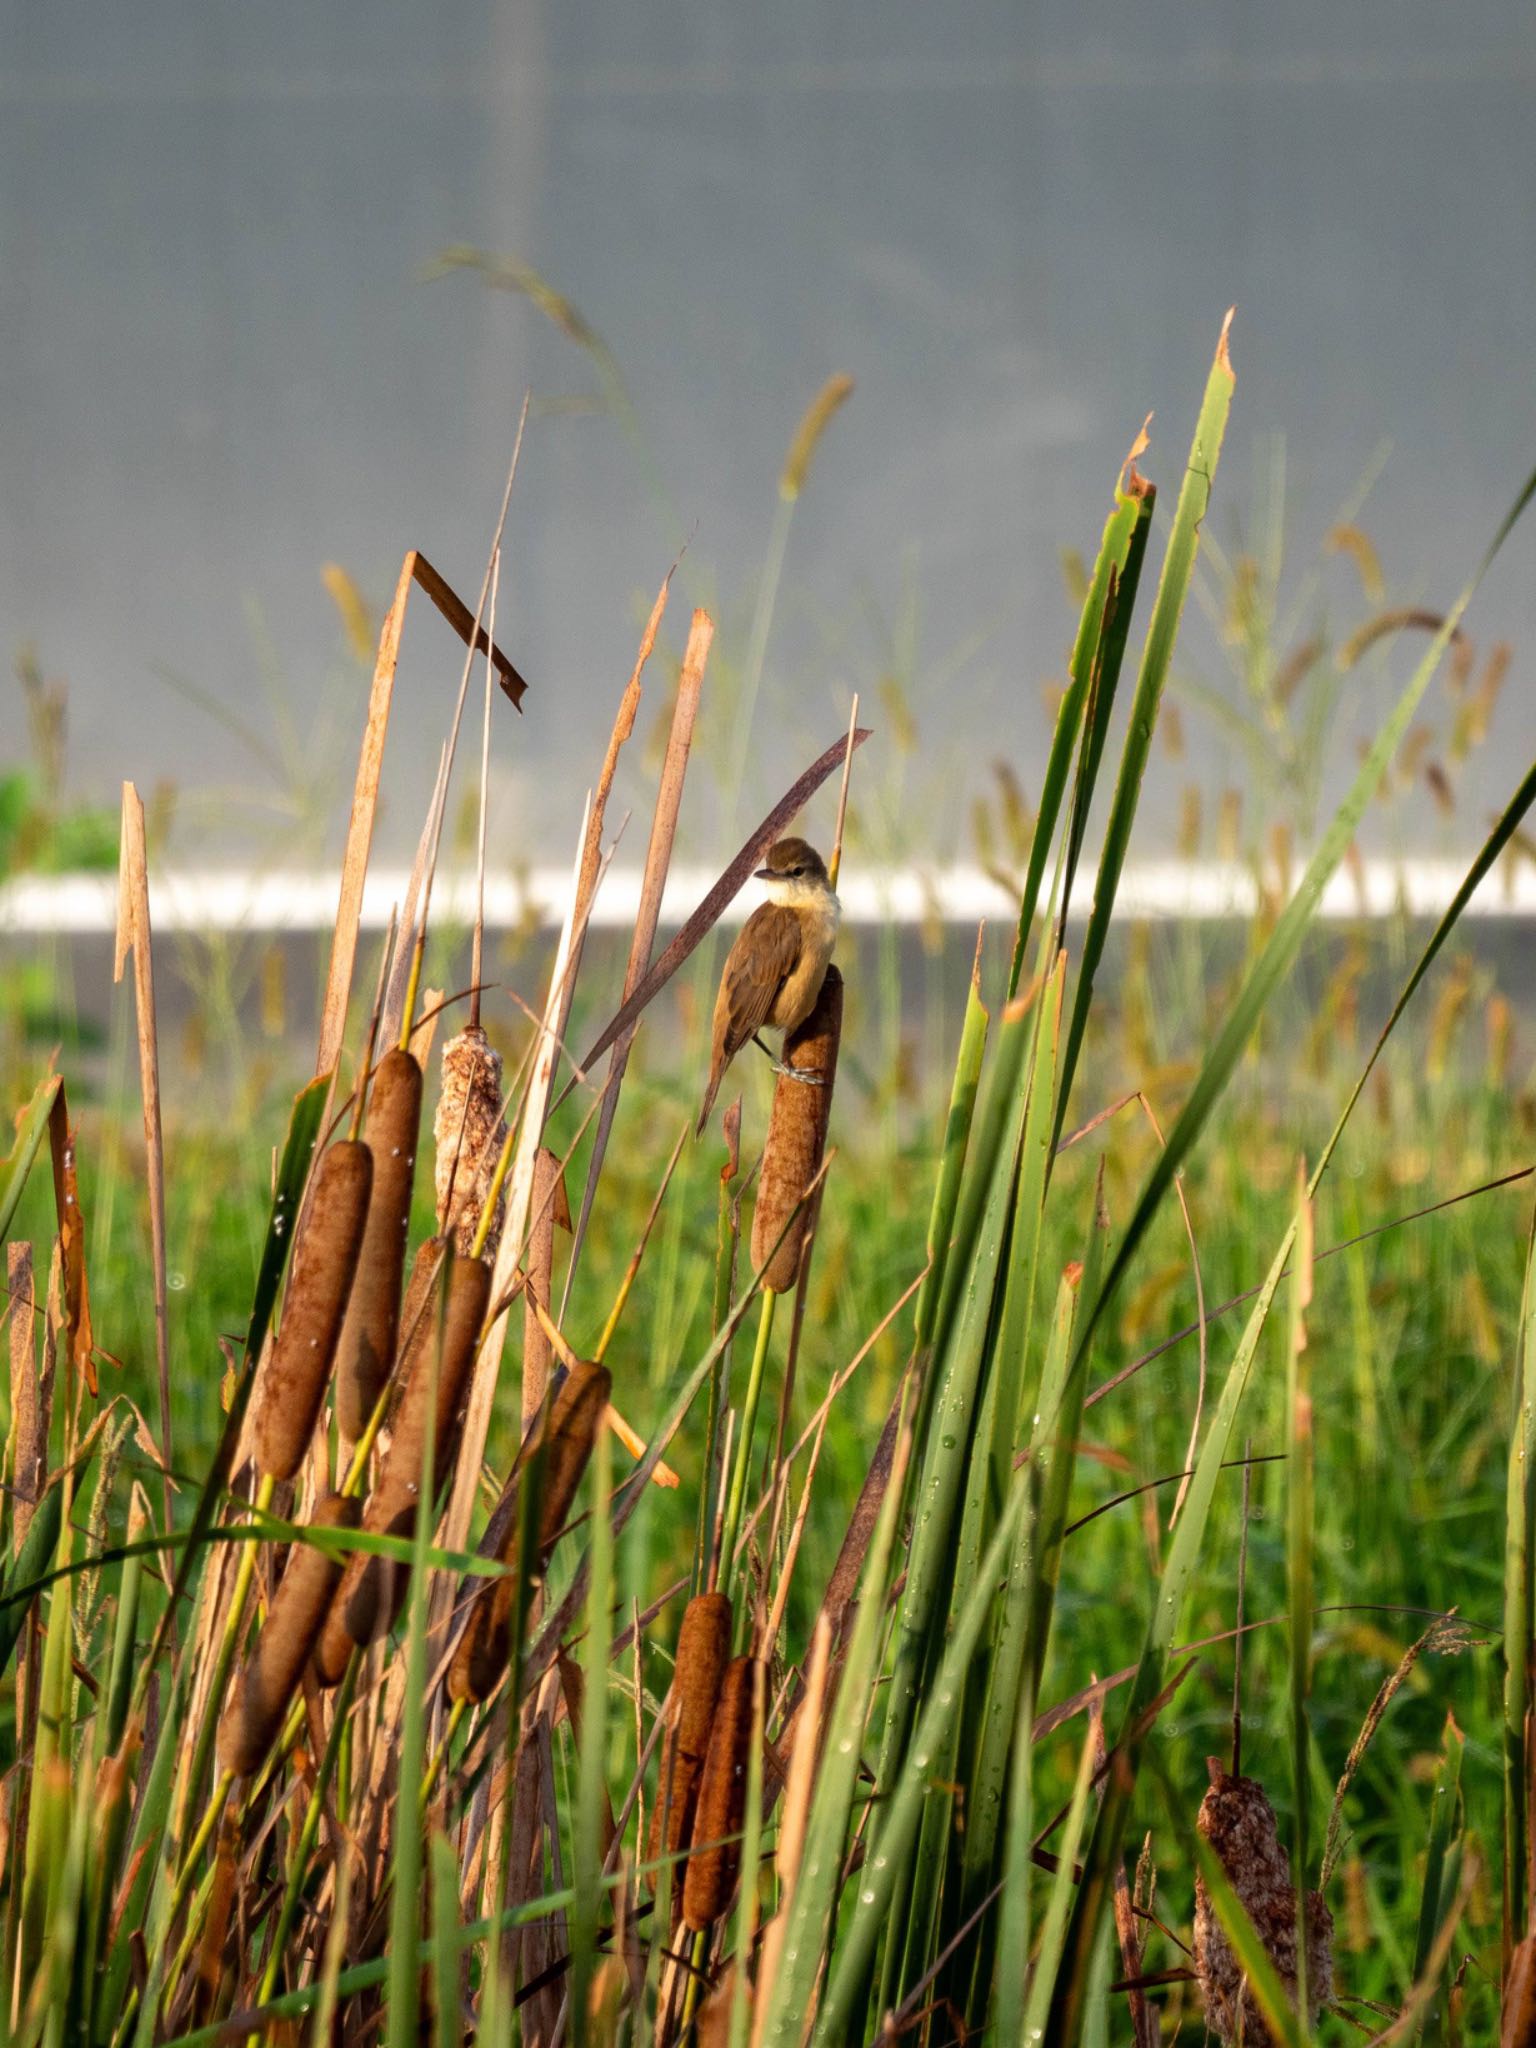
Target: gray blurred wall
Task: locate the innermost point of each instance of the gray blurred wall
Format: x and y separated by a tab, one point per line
1017	226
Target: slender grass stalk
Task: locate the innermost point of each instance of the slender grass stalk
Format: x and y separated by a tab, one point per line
1519	1547
1299	1597
309	1828
742	1456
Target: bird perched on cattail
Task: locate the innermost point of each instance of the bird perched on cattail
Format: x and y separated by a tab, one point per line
777	965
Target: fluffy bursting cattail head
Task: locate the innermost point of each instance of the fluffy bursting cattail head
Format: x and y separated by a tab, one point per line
797	1136
469	1129
1239	1823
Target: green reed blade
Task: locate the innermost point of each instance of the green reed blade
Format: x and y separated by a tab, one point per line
1162	633
1519	1546
1109	569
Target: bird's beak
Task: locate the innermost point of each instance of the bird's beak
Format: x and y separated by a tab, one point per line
762	874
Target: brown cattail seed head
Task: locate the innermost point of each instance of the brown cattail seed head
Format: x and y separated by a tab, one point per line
703	1651
568	1437
797	1136
373	1312
470	1131
291	1388
722	1799
272	1671
1239	1823
436	1366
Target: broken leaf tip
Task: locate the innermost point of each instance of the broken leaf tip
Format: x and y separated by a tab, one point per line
1222	355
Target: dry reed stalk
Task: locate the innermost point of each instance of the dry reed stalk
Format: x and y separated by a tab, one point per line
267	1684
798	1785
434	1371
71	1227
469	1129
429	1009
658	861
291	1383
133	936
482	1392
712	2025
215	1929
365	793
480	1661
797	1136
1517	2027
703	1651
722	1798
31	1399
538	1352
372	1324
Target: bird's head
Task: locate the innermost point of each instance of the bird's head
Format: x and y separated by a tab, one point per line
794	873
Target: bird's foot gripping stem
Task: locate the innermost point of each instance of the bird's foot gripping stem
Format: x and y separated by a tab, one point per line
799	1074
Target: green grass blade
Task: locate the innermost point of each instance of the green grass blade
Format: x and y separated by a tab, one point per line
1109	569
447	2021
404	1999
811	1911
1120	606
1060	1903
1299	1598
1519	1541
1437	1897
957	1137
1162	633
907	1790
17	1164
31	1571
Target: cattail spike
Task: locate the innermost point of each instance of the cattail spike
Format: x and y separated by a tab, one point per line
797	1137
372	1325
291	1387
722	1800
276	1663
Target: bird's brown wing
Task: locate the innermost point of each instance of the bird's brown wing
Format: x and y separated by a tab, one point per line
761	960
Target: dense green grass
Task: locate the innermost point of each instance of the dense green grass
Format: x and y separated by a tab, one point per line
1412	1337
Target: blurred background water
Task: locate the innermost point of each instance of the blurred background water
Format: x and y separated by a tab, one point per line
1018	227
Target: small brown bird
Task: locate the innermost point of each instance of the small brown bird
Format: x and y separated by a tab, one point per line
776	967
